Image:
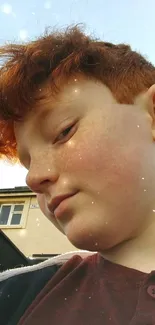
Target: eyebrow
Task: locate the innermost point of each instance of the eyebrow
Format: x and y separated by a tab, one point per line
45	111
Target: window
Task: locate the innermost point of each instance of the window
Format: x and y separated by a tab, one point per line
11	214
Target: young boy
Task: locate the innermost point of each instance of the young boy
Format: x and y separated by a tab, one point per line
79	114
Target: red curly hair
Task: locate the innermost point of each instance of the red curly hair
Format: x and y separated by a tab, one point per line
56	56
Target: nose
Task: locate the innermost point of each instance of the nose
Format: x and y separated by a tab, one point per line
40	177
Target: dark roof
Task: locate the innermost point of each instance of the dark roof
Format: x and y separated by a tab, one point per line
21	189
11	257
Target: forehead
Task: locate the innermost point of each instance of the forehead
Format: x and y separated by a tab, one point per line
74	94
70	90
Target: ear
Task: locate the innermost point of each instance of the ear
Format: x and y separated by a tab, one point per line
150	97
150	104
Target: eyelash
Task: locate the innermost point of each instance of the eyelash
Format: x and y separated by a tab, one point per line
65	136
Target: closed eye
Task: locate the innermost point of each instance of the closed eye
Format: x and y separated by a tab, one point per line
66	134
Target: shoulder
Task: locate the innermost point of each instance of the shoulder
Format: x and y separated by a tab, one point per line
19	287
51	262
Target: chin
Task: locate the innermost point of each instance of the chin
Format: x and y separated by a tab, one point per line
82	238
88	237
83	245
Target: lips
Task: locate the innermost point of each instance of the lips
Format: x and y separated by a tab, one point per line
58	199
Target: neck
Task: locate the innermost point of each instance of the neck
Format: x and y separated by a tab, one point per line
137	253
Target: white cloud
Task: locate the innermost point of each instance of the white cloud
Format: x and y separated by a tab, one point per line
23	34
47	5
6	8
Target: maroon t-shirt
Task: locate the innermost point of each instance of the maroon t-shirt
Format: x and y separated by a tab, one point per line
94	291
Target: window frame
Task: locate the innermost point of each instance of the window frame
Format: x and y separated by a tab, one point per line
15	201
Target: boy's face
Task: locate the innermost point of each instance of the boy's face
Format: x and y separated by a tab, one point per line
84	143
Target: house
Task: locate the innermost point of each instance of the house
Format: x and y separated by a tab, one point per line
26	227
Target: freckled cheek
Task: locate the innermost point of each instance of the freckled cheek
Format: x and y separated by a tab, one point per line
103	159
83	155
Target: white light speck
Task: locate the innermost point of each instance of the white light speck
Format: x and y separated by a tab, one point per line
76	90
89	297
75	79
49	170
23	233
96	244
153	210
33	13
71	143
64	182
23	34
142	177
65	298
137	126
37	219
92	202
47	5
6	8
38	224
144	190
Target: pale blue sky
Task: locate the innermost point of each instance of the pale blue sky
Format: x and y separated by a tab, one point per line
130	21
